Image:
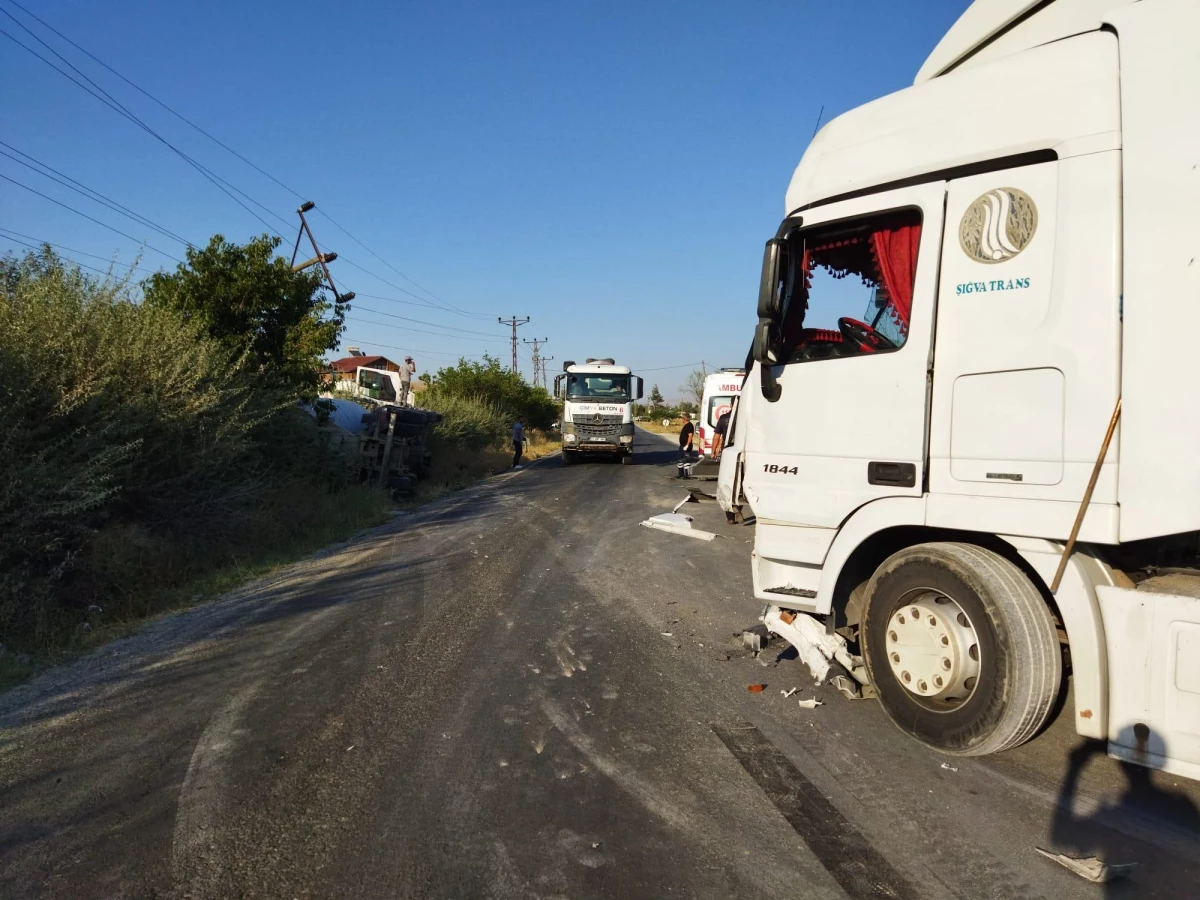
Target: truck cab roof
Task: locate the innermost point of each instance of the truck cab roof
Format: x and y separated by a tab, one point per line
992	28
1059	99
598	369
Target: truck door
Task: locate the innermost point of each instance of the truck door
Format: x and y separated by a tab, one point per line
850	422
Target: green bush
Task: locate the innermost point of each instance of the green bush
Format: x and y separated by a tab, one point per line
503	389
130	432
468	422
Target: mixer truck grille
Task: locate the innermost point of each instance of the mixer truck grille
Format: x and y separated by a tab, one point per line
597	425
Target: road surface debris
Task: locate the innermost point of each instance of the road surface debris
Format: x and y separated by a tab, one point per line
1089	867
756	688
810	704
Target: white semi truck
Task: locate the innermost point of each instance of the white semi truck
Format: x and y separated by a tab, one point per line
597	416
970	433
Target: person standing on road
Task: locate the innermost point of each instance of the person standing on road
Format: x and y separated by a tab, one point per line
518	442
719	431
406	373
686	435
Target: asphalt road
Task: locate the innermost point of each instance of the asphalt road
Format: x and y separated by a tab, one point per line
520	692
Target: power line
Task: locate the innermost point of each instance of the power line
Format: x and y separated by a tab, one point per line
397	287
461	337
75	261
379	312
390	266
136	87
5	232
91	219
114	104
89	192
448	306
664	368
412	302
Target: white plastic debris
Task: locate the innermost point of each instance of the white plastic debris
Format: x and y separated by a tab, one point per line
1094	870
787	694
677	523
810	704
816	648
949	768
688	499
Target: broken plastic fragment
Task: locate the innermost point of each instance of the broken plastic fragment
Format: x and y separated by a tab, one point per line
809	704
949	768
1094	870
755	688
677	523
787	694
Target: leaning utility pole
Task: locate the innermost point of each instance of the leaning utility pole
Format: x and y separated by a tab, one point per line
536	359
514	322
321	259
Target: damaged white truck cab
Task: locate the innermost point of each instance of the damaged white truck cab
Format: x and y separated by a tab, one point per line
597	415
979	281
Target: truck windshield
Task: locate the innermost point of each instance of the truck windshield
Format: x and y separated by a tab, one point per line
614	388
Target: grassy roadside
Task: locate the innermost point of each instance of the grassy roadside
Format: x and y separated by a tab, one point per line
655	426
295	524
455	468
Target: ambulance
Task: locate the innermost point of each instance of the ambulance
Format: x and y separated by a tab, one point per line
720	390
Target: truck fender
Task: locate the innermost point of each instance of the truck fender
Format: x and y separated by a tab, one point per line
1076	599
1079	608
866	521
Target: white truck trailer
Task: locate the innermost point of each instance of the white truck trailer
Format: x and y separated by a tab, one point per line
597	417
971	432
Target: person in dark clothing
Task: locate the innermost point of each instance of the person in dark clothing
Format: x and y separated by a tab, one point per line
720	431
686	434
518	442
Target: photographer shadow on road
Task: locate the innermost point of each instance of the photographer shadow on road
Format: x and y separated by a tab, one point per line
1141	826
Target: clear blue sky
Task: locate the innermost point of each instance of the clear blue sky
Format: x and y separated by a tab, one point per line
610	170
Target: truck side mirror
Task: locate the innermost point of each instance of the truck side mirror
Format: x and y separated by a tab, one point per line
765	349
766	353
567	365
776	272
638	385
558	385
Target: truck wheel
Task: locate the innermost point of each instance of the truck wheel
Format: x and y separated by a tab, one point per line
627	459
568	457
961	648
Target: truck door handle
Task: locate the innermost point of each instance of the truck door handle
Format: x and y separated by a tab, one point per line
892	474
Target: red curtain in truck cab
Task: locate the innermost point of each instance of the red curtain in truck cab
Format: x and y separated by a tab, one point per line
896	256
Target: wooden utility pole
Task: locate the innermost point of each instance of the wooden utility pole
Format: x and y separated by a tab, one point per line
537	344
514	322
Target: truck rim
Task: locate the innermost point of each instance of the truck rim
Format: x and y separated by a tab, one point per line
933	650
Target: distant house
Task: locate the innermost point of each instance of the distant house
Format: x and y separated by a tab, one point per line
343	370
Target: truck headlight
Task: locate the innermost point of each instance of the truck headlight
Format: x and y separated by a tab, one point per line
627	439
569	438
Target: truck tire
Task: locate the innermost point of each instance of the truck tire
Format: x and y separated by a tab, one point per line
961	648
568	457
627	459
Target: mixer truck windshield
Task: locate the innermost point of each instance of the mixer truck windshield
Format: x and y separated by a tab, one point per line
614	388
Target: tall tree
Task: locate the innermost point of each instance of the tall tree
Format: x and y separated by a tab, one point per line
656	397
249	298
693	388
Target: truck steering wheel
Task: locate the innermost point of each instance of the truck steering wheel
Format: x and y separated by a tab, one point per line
863	336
